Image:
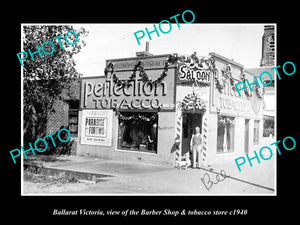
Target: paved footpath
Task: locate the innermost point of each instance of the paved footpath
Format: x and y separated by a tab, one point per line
144	178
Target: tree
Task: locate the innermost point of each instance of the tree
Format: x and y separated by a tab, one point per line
44	78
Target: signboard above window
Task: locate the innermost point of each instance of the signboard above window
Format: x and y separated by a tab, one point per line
122	91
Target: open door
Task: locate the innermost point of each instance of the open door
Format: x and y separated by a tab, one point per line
189	122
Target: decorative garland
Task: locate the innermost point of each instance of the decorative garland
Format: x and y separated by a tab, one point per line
246	90
226	121
194	60
226	72
137	117
192	102
219	86
142	73
260	93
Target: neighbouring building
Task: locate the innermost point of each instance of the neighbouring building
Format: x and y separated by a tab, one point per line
66	113
268	62
268	46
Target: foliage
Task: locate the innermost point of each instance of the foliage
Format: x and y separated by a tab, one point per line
269	127
44	78
268	131
61	148
142	73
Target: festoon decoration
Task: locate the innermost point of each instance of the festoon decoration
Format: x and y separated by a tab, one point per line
137	117
226	75
247	91
139	66
192	102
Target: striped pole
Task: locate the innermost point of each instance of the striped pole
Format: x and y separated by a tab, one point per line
204	135
179	128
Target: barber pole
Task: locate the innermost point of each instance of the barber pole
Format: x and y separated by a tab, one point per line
204	137
179	128
178	139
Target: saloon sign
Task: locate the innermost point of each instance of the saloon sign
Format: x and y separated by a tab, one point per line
190	72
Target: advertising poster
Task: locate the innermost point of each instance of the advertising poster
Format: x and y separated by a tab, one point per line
97	127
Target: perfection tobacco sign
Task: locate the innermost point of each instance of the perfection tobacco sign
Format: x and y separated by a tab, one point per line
104	93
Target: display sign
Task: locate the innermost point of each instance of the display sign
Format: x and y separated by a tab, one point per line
105	93
121	65
191	73
97	127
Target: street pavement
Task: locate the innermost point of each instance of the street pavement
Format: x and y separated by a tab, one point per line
138	178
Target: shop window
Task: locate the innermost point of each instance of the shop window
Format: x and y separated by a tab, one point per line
137	131
256	132
73	117
225	134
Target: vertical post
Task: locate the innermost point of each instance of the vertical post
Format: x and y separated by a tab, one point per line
225	138
147	46
204	137
178	135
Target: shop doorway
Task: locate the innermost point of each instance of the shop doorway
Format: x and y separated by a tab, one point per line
189	122
246	144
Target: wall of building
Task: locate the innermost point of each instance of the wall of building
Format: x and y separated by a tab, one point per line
228	103
165	148
60	116
223	103
213	157
142	95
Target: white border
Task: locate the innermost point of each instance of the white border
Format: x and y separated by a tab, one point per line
146	194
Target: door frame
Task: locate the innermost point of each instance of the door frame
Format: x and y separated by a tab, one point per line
246	136
190	129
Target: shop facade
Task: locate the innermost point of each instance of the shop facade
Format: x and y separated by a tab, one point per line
146	109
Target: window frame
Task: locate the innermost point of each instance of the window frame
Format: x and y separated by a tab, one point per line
70	111
231	141
119	132
256	132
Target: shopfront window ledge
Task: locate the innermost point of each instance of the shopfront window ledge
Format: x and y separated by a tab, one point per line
220	153
136	151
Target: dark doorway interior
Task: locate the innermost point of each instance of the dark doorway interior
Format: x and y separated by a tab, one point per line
190	121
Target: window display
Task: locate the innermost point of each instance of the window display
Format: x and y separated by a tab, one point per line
137	131
256	132
225	134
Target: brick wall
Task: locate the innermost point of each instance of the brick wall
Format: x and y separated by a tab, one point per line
59	117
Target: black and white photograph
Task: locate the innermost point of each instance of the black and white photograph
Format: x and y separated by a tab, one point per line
132	112
171	108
